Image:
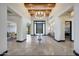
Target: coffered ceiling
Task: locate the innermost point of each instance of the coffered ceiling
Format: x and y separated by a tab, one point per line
39	8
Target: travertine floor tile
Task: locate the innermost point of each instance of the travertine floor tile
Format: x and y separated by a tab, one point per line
47	46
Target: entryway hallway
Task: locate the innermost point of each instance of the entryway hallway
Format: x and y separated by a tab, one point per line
22	21
47	46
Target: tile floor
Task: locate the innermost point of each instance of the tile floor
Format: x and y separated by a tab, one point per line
47	46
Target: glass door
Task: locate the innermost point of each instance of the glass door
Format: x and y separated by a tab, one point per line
39	28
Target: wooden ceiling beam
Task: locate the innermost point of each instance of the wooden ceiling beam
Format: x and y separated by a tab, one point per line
36	7
39	4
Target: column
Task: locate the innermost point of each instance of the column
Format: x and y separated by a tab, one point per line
76	29
21	30
59	29
3	28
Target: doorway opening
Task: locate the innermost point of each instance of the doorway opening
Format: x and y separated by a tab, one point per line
39	27
68	30
11	31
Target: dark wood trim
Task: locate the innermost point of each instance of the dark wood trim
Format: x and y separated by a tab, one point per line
72	40
77	54
4	53
37	35
20	41
59	40
55	39
71	30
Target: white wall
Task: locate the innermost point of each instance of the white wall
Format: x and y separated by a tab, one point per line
20	9
76	28
21	21
73	29
32	27
25	17
21	26
12	27
17	20
51	21
58	29
47	27
3	28
60	8
24	26
65	17
59	23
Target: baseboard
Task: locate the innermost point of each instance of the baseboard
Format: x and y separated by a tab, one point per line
72	40
51	36
37	35
77	54
21	41
4	53
59	40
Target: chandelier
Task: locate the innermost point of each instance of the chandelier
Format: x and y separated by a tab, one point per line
40	14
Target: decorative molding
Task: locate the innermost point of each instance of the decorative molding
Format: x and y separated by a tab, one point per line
4	53
77	54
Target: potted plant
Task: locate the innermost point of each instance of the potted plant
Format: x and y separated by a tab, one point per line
28	32
28	27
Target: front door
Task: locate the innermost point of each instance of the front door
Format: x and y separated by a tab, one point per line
39	27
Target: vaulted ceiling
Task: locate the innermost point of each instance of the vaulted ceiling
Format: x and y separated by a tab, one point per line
39	8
